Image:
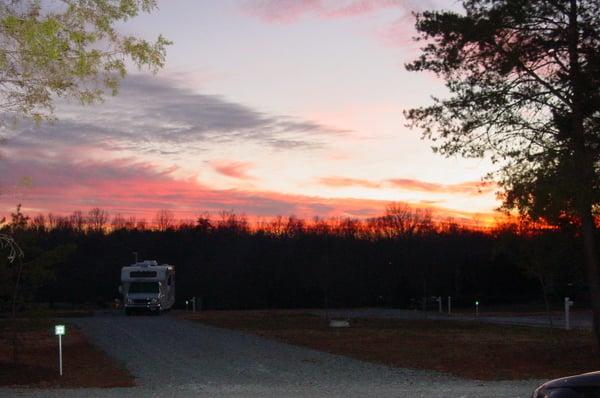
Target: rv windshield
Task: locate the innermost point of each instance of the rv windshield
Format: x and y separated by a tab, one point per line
143	287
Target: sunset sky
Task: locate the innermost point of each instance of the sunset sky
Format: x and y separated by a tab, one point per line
265	107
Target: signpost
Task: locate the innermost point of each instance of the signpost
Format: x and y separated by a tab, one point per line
568	304
59	330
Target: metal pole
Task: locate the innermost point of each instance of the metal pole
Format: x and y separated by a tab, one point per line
568	304
449	305
60	354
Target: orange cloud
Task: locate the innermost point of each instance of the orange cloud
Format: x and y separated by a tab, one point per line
346	182
237	170
465	188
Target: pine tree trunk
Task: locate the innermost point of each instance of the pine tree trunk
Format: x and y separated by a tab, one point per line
591	262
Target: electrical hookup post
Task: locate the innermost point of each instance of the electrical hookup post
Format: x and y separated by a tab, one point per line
59	330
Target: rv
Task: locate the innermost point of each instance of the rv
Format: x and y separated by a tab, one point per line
147	286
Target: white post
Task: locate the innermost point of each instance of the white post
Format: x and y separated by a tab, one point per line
59	330
60	353
568	304
449	305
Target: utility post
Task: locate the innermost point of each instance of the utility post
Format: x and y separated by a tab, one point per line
568	304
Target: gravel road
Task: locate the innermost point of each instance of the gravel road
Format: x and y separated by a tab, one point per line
178	358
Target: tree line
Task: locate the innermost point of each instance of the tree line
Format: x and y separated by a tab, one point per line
397	259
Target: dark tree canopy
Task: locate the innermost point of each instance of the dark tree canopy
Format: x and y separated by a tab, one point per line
524	82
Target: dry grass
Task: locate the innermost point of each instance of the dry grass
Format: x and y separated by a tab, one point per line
466	349
83	364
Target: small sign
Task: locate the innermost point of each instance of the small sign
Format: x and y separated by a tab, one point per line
59	330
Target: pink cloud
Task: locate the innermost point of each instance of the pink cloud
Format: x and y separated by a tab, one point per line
238	170
346	182
463	188
284	11
400	33
466	188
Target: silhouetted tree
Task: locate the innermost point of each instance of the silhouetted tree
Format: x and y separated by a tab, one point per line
524	82
164	219
97	219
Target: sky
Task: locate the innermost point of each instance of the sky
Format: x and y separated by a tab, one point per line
264	107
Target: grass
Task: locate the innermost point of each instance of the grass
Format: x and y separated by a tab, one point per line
466	349
83	364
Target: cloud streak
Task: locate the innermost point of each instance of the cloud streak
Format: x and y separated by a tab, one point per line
464	188
237	170
285	11
470	188
151	115
348	182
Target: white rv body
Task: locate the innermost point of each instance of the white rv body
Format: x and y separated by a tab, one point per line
148	286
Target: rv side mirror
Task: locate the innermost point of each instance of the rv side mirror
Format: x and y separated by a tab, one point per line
120	289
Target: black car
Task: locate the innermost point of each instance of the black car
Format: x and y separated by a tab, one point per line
586	385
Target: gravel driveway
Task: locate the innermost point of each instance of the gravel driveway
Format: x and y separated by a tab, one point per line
174	357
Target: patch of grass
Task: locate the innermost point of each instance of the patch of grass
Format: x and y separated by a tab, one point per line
83	364
467	349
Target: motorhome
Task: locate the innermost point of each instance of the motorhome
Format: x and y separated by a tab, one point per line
147	286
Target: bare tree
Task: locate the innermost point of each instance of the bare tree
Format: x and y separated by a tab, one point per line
97	219
78	220
164	220
118	222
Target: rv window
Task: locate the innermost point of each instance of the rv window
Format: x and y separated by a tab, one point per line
142	274
143	287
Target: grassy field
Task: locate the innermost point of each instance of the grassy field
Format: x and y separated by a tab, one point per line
467	349
83	364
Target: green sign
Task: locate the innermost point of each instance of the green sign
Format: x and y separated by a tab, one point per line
59	330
